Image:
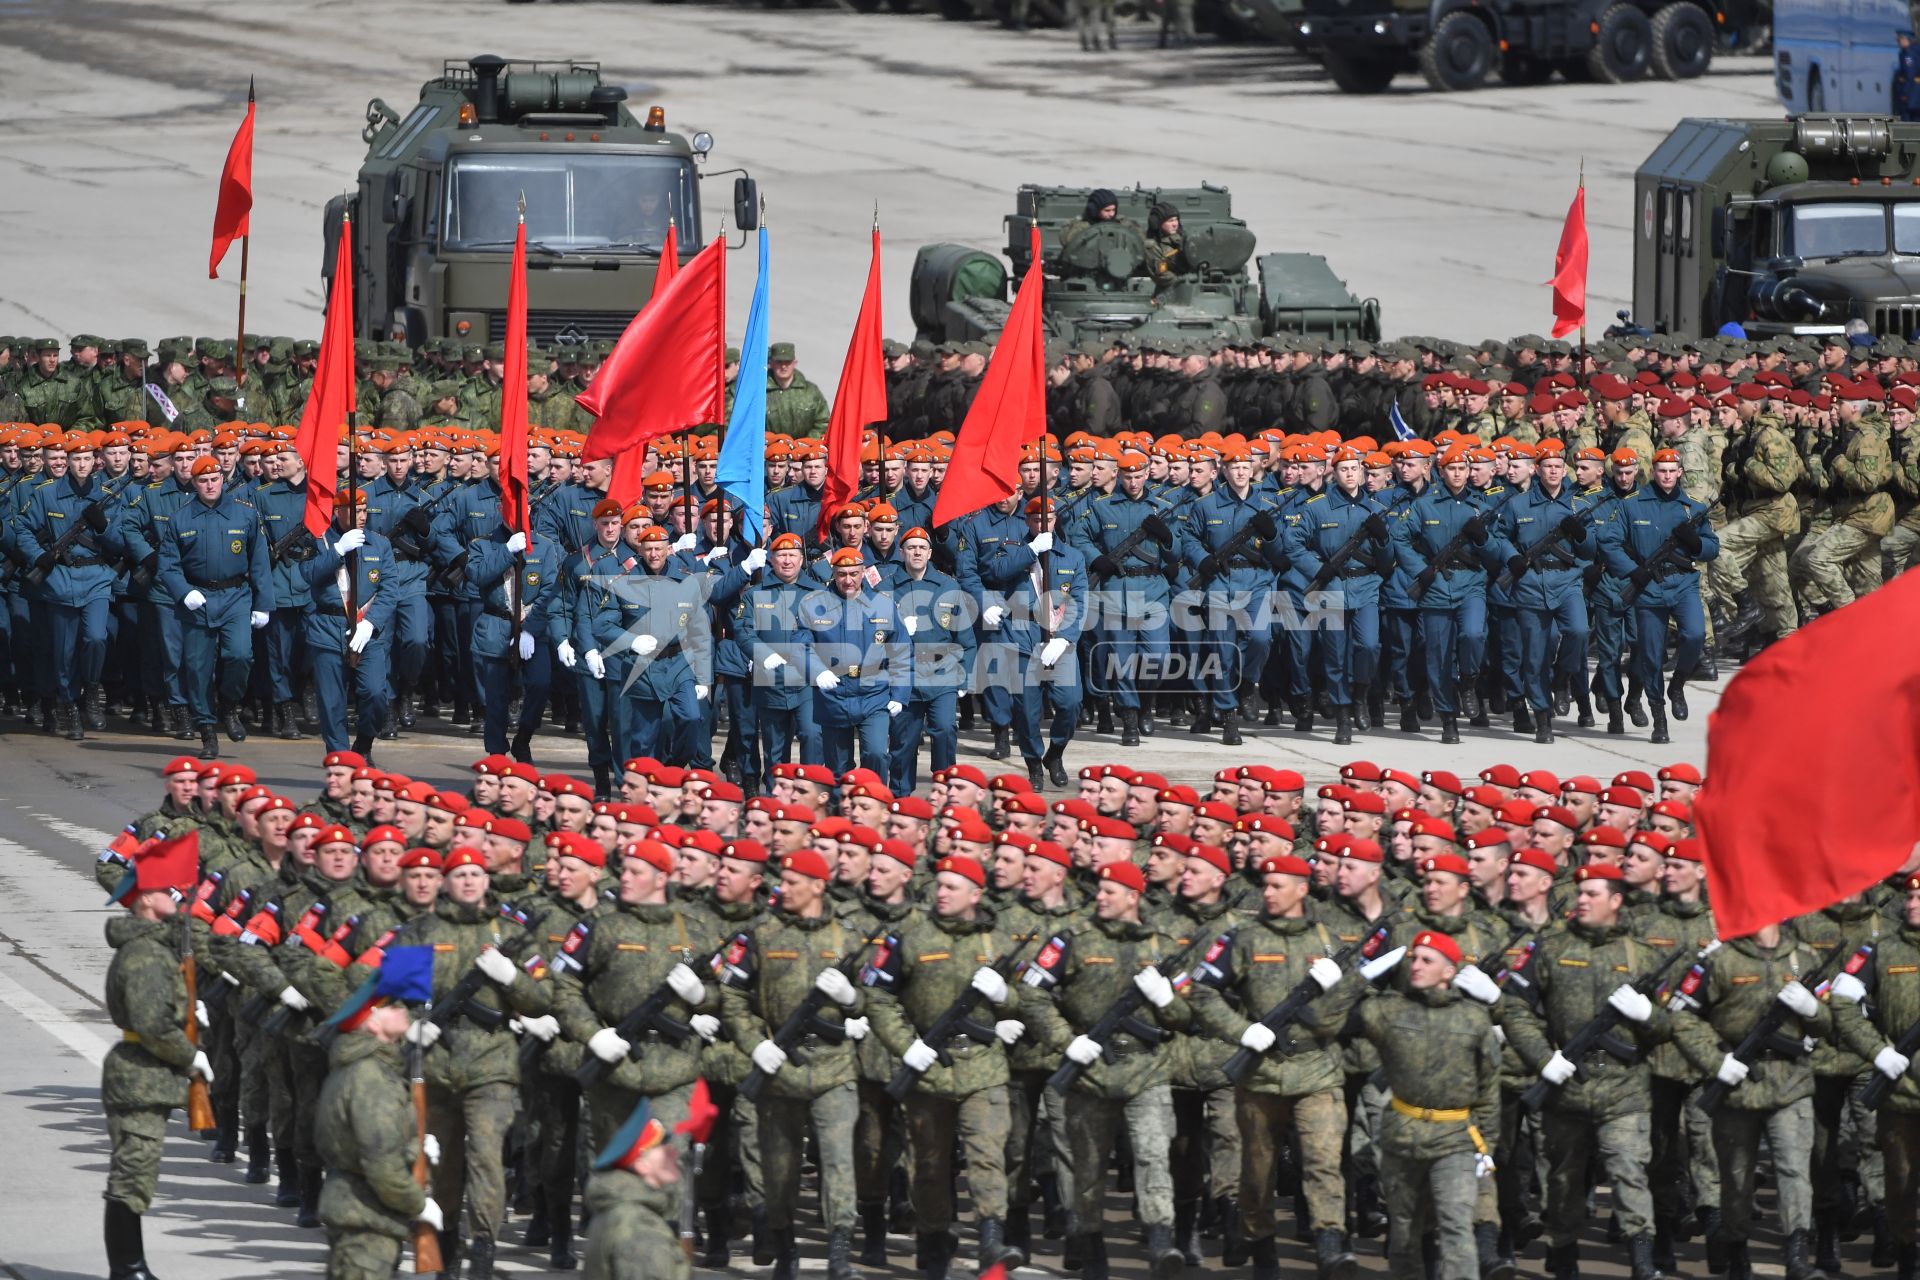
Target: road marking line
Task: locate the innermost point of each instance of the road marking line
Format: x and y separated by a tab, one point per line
78	1036
91	837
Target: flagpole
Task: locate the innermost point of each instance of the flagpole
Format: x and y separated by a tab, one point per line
1045	495
520	558
352	602
240	342
1580	375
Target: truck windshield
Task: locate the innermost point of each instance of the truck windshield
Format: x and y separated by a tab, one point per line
577	202
1841	229
1906	228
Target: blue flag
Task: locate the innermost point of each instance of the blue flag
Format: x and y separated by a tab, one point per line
1399	424
407	974
742	474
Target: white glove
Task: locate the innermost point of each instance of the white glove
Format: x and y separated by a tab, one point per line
895	708
706	1026
1009	1030
526	646
201	1067
257	619
1849	988
200	1013
989	984
596	665
423	1033
686	984
362	636
430	1214
229	979
194	601
1476	985
919	1056
834	985
351	540
772	662
1482	1164
1559	1069
292	998
1258	1037
1797	998
911	624
1499	1034
993	615
1153	984
700	693
1891	1063
856	1028
645	645
754	560
496	966
565	654
718	553
685	542
608	1045
825	681
430	1148
1084	1050
1380	964
769	1057
1630	1004
1326	971
1732	1071
1054	650
1039	542
543	1028
517	543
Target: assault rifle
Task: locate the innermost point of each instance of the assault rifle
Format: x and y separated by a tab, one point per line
1262	526
649	1015
1345	552
956	1019
1120	1017
1764	1036
1284	1014
1115	560
1643	576
804	1019
1879	1084
92	520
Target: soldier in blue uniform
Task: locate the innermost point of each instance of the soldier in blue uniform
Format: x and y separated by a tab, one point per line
1134	595
282	504
1547	593
77	584
1342	543
1043	624
1402	644
1237	588
213	560
391	500
1607	610
977	541
471	511
1656	540
773	640
796	508
136	536
503	641
592	613
348	572
938	619
857	665
1437	546
670	642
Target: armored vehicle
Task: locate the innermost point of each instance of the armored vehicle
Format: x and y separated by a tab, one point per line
434	211
1101	279
1801	226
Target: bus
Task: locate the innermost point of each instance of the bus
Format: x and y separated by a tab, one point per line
1838	55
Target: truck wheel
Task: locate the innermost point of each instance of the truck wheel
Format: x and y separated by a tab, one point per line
1359	74
1682	41
1623	45
1520	69
1459	54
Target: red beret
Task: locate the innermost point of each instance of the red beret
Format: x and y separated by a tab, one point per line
1491	836
744	851
1452	862
1639	779
912	807
335	834
963	866
1437	941
1363	851
1361	771
1680	773
1689	850
1538	859
335	760
1125	873
1597	871
571	844
1049	851
464	856
522	770
1500	775
1625	797
1213	856
1604	836
807	863
1558	814
1441	780
421	857
1284	864
1109	828
653	853
1654	841
512	829
388	833
1366	802
899	850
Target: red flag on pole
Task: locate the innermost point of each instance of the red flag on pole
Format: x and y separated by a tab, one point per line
860	400
515	510
630	467
333	396
668	371
235	203
1794	815
1009	409
1570	269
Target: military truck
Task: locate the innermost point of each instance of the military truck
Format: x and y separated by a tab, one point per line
1100	283
434	210
1803	226
1457	44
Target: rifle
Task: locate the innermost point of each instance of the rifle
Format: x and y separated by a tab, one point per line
955	1019
1598	1031
199	1103
1283	1015
1423	582
1338	560
649	1015
804	1018
1875	1091
280	1018
1555	536
426	1241
92	520
278	550
1153	526
1643	576
1120	1017
1765	1035
1262	526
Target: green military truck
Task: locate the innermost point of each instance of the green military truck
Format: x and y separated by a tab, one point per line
1809	225
435	208
1100	281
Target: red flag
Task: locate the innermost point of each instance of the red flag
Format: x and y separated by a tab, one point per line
630	467
333	397
1811	758
515	510
1009	409
235	203
701	1113
1570	269
860	400
668	371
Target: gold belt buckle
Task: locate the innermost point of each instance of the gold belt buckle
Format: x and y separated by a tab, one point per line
853	673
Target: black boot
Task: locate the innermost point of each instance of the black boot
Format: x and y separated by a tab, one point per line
226	1138
1056	769
1230	729
966	715
1103	716
561	1256
94	709
310	1177
1342	726
1641	1251
1636	711
1162	1256
1186	1230
1233	1239
994	1249
1002	742
1677	695
603	780
1664	1234
259	1154
1883	1248
1543	731
180	723
1826	1248
1522	718
1303	715
1368	1212
480	1258
121	1232
523	746
1203	719
1036	779
1376	704
1585	704
1146	715
1093	1256
235	724
288	1195
1020	1229
1719	1252
1054	1220
873	1233
1449	728
1739	1261
1335	1260
1129	726
786	1255
1908	1261
539	1228
766	1245
1563	1262
719	1217
840	1254
1266	1259
1794	1254
933	1253
1616	718
66	721
363	745
292	710
1659	733
1409	718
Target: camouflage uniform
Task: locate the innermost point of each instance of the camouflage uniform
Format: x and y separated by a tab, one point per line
369	1141
1901	543
633	1238
1844	560
1892	982
735	1140
879	1136
798	409
145	1075
550	1093
1683	1171
1845	1163
1762	472
1038	1153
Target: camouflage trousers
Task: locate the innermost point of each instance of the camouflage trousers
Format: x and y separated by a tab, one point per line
361	1255
980	1122
1624	1144
1267	1122
1037	1145
784	1123
1519	1174
1093	18
553	1136
1206	1153
879	1141
1750	551
133	1169
1844	1150
1435	1195
1898	549
1736	1141
471	1125
1092	1124
1836	566
256	1099
1683	1170
294	1073
1365	1101
1899	1142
